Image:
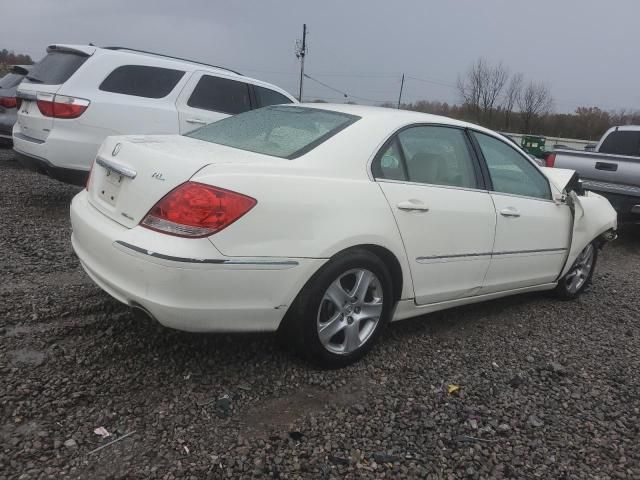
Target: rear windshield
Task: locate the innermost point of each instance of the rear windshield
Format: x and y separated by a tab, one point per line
10	80
285	132
622	142
56	68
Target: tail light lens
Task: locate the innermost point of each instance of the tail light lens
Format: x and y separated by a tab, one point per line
196	210
550	160
61	106
8	102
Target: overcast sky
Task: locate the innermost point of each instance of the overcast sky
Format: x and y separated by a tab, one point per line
585	49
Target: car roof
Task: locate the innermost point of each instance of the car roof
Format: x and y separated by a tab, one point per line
393	116
167	61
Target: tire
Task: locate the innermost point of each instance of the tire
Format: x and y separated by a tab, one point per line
328	303
579	275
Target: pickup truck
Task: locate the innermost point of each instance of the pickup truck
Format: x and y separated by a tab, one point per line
612	170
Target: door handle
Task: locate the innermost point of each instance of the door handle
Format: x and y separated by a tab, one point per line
413	206
510	212
196	121
608	167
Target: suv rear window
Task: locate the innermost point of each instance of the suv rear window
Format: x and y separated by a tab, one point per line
56	68
266	97
142	81
220	95
622	142
285	132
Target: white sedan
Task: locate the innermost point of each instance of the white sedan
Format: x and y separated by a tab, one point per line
325	222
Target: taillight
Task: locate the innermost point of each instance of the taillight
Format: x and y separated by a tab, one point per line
61	106
197	210
550	160
8	102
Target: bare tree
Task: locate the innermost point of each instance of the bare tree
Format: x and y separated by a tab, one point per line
471	86
495	79
534	102
511	97
481	87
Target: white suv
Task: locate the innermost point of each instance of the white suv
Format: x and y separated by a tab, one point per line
78	95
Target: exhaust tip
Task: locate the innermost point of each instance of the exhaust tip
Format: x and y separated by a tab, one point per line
141	313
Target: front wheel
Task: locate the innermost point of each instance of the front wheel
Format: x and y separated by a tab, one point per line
579	275
341	311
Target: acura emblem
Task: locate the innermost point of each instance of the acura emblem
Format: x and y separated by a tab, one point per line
116	149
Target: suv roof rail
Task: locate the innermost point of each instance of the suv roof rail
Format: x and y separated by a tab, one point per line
174	58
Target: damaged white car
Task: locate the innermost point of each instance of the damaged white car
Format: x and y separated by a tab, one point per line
326	222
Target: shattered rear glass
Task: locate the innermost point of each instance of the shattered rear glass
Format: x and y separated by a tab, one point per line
281	131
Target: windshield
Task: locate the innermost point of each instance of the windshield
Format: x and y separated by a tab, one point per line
285	132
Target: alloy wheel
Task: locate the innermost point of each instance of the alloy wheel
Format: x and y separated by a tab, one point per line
350	311
581	269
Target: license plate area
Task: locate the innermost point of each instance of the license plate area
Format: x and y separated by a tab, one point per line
110	186
25	107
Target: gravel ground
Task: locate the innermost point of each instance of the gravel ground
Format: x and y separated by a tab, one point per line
548	389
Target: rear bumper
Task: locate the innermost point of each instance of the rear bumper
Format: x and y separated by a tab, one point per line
68	146
40	165
186	284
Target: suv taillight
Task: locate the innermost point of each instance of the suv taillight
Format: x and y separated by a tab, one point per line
197	210
61	106
8	102
550	160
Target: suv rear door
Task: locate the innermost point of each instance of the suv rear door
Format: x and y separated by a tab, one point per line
208	98
44	80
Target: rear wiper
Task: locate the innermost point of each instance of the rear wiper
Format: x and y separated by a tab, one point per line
33	79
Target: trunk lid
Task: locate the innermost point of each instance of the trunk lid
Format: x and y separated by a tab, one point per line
132	173
31	121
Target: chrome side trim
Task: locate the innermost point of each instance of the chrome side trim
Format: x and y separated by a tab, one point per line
543	250
214	261
116	167
462	255
489	254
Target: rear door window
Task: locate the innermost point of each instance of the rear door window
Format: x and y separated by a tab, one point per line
266	97
622	142
220	95
56	68
438	156
142	81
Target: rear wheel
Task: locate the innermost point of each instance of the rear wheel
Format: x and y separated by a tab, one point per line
579	275
342	310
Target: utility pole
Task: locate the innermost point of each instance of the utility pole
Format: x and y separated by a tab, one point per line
301	51
400	96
